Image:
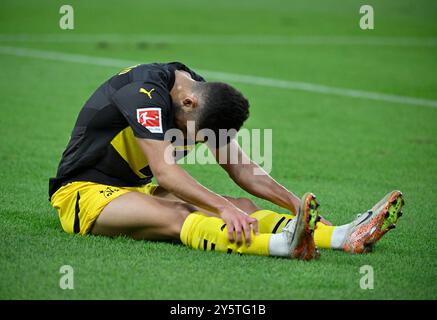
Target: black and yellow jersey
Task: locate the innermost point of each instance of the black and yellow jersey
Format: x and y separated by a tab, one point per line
134	103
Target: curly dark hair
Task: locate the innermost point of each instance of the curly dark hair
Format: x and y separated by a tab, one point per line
222	107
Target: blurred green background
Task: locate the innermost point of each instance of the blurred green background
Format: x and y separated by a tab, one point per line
349	150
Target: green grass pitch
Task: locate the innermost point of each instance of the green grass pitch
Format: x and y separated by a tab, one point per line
348	150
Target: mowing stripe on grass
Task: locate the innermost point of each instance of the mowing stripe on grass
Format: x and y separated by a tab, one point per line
223	76
221	39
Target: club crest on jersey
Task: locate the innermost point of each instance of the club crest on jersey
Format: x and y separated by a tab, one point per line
150	118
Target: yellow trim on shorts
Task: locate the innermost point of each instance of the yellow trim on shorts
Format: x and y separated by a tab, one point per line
80	203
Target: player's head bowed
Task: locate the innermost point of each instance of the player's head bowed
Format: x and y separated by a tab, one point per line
213	106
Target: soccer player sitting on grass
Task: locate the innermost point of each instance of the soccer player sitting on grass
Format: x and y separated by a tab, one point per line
103	183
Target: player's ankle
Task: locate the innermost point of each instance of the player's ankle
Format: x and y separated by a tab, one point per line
278	245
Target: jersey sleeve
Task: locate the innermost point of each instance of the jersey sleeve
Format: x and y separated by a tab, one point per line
146	107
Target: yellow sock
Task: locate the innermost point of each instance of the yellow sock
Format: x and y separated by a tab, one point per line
323	235
202	232
273	222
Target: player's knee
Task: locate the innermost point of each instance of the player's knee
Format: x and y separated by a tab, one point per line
246	205
182	211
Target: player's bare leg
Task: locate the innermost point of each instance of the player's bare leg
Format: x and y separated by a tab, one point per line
145	217
142	217
242	203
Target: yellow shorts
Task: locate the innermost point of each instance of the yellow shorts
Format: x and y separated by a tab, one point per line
79	203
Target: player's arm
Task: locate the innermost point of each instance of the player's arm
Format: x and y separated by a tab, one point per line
177	181
261	185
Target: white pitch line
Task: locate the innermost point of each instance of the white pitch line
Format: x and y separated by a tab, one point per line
223	76
223	39
310	87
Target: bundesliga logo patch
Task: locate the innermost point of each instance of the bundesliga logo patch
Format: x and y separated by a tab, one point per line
150	118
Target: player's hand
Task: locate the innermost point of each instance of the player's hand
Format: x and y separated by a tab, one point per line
240	224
